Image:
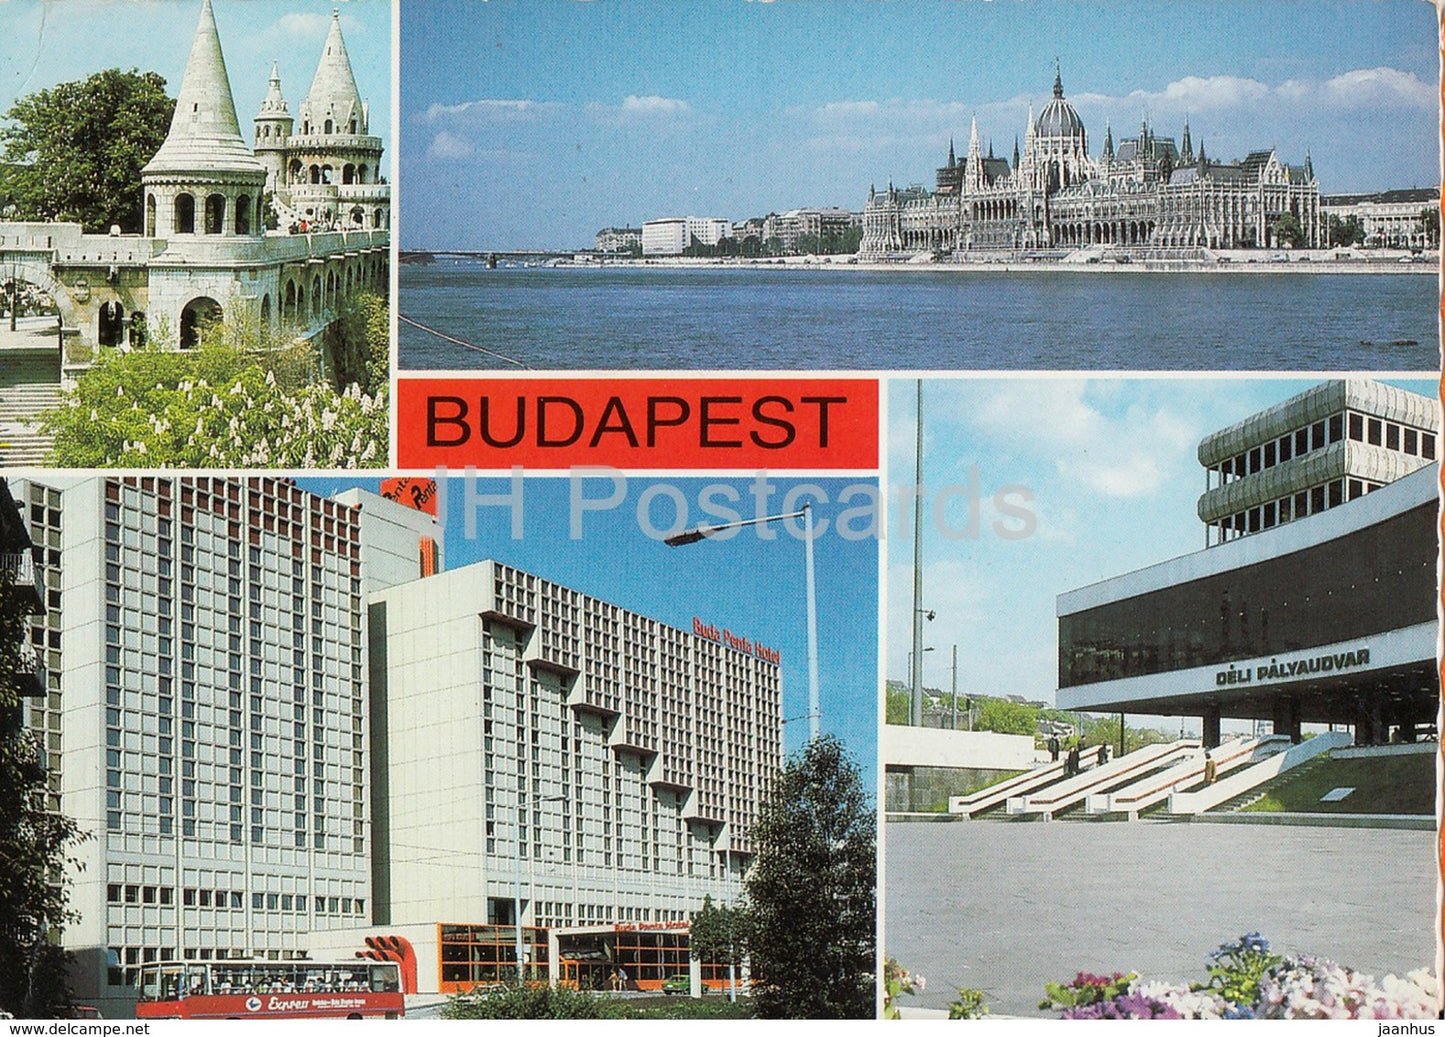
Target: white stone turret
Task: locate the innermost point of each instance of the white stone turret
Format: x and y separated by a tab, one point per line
333	166
334	104
273	131
204	180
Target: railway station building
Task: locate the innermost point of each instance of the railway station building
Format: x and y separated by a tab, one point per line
1314	601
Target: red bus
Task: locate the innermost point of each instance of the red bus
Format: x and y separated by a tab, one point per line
235	989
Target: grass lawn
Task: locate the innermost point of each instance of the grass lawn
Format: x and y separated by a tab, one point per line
1382	784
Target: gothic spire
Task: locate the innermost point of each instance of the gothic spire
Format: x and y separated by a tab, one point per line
334	95
1186	148
274	103
1058	80
1108	140
205	134
952	162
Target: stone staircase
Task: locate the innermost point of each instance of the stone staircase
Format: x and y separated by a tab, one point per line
21	442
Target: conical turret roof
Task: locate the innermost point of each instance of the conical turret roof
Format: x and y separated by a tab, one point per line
333	93
274	103
205	136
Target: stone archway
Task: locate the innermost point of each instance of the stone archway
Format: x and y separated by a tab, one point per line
36	270
197	313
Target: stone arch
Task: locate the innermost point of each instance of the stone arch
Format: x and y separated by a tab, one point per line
361	172
326	173
295	171
185	221
37	271
288	305
110	323
150	215
215	213
197	313
358	216
315	173
316	296
329	128
243	214
266	311
348	174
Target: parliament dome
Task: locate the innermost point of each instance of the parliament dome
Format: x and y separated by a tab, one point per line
1058	119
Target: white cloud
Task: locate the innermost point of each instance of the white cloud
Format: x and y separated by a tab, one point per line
304	24
1360	87
1370	86
654	105
489	110
1124	456
449	146
634	109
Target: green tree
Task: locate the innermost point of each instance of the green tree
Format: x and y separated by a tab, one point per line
1344	233
241	399
896	704
74	151
1430	221
34	843
1005	717
719	934
359	344
1287	230
811	891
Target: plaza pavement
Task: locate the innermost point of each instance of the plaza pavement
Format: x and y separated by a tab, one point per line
1005	907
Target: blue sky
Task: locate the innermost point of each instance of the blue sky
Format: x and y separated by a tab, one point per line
533	124
751	586
52	42
1114	480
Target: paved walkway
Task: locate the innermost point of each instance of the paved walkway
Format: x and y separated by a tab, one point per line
1005	906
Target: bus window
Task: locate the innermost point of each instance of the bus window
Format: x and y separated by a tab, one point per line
384	979
150	984
196	982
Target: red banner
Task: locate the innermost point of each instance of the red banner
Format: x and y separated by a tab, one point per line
638	423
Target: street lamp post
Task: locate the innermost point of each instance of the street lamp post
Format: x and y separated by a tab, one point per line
704	531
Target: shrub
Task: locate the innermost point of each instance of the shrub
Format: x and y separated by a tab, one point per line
524	1001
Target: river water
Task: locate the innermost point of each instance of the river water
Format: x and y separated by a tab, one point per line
634	318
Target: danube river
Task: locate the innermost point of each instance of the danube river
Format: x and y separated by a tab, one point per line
636	318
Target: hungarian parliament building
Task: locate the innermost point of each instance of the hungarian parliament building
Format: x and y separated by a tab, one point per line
1148	193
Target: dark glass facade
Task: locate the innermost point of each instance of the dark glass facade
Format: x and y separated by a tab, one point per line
1376	579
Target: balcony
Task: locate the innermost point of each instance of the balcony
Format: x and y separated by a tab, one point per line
28	681
19	574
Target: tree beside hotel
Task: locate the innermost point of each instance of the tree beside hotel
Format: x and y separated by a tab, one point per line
33	841
812	891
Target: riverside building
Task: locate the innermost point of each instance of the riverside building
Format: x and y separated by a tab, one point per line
289	732
1148	192
1314	601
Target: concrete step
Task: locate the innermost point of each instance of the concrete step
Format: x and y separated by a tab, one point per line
21	404
24	450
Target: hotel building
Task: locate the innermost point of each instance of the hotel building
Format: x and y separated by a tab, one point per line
1316	599
288	732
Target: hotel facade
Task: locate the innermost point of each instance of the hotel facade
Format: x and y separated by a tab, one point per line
289	732
1315	600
